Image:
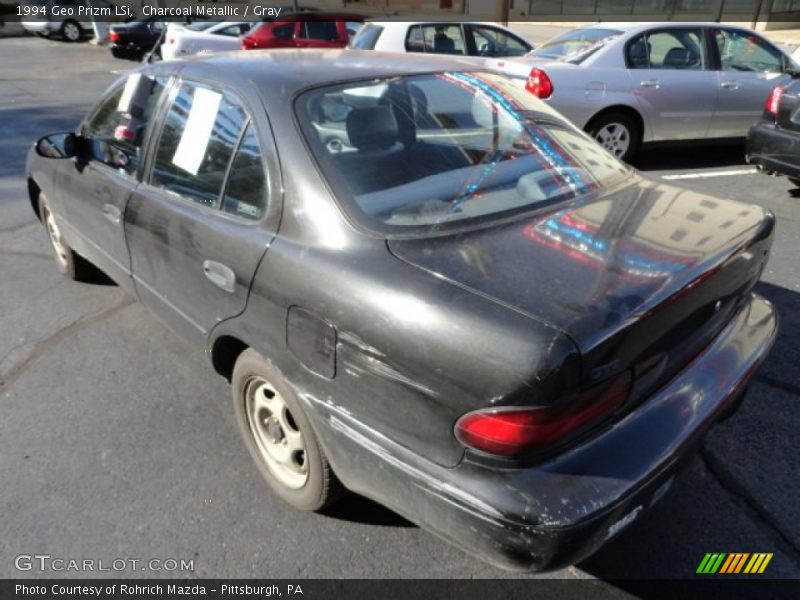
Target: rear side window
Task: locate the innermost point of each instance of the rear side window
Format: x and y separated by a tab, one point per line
367	37
682	49
121	153
200	134
246	192
319	30
283	32
493	42
436	38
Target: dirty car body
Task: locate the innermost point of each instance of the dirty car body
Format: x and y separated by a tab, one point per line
494	327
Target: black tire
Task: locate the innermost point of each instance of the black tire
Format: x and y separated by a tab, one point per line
795	181
253	375
624	126
71	265
71	31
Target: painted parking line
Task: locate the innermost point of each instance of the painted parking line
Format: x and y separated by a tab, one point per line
710	174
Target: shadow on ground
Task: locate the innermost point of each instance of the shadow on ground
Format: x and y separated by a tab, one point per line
690	158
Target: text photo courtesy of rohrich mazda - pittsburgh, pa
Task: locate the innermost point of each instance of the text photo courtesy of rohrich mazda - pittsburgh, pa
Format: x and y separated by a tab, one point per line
499	297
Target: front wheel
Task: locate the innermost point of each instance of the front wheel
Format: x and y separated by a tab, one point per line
71	31
279	436
618	133
71	265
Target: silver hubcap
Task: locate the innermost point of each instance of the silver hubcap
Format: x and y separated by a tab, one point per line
615	138
275	431
55	238
71	31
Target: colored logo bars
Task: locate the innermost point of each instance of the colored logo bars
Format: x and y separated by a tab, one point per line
736	562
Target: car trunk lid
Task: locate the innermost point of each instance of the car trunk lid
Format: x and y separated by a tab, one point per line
641	279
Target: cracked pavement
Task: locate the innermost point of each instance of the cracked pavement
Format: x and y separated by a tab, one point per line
118	441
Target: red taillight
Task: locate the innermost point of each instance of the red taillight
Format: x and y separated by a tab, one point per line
512	431
248	42
113	36
539	84
774	101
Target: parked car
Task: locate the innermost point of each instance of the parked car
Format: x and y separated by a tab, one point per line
465	39
135	39
774	142
423	284
70	27
304	30
633	83
203	37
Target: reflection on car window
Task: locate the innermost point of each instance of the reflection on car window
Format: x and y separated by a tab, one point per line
421	152
577	45
744	51
366	37
438	39
246	193
200	133
490	41
681	49
123	153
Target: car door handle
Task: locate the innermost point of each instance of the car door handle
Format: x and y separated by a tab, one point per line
730	85
650	83
112	213
220	275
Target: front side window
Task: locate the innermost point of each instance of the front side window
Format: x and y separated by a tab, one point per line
436	38
682	49
495	43
106	145
423	152
744	51
200	133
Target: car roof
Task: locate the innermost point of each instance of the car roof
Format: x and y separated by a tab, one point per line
283	72
626	26
434	21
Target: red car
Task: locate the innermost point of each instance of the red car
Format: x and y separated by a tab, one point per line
304	30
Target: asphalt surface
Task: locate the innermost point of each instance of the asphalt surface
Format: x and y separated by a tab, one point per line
118	441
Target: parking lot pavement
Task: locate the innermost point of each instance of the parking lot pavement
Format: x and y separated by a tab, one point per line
118	441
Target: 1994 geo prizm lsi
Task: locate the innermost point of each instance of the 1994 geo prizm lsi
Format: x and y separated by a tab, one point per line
423	284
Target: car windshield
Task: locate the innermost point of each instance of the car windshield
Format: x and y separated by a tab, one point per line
577	45
424	152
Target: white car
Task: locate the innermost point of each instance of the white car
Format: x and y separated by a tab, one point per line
486	40
202	37
61	17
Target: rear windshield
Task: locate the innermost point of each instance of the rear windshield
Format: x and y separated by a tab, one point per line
366	37
425	152
577	45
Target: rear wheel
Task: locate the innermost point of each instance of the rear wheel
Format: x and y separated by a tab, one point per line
618	132
279	436
71	31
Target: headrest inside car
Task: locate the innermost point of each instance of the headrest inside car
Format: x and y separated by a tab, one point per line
372	128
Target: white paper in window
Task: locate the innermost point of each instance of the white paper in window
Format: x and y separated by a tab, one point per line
197	133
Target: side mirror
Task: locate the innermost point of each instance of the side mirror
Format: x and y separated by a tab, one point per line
58	145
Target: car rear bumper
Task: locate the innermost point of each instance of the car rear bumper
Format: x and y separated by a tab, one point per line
774	149
557	513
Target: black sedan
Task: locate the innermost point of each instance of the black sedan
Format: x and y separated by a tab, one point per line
774	142
135	39
423	284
